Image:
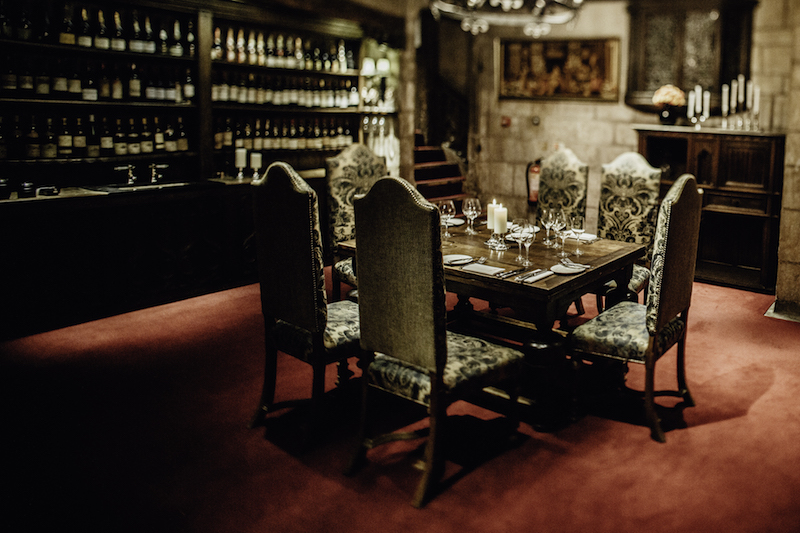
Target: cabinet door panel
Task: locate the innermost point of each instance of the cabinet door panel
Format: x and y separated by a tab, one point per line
745	164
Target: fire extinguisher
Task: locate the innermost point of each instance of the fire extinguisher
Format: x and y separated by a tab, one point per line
533	181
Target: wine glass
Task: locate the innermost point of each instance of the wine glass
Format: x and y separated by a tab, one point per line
547	221
578	229
471	208
516	234
558	222
447	210
564	223
528	232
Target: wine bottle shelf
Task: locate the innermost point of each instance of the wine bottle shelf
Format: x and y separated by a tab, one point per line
287	109
34	48
102	103
245	67
117	159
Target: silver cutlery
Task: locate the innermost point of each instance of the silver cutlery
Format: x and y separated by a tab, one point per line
480	261
527	275
504	275
570	263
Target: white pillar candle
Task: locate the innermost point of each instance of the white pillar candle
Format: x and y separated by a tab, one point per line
740	97
724	99
500	219
749	94
690	105
240	159
734	91
706	104
698	99
255	160
490	214
756	99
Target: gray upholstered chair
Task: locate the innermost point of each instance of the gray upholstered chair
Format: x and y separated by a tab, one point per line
563	180
628	209
408	351
562	183
297	318
642	333
350	173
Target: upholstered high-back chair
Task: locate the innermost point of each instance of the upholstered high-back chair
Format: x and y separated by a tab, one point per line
408	351
297	318
642	333
350	173
562	183
628	208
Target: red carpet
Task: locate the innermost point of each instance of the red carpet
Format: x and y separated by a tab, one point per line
138	423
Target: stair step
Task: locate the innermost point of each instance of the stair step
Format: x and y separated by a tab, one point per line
427	154
435	169
457	198
433	182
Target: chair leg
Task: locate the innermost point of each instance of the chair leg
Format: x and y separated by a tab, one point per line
434	455
682	386
656	432
359	456
337	285
579	307
599	303
270	377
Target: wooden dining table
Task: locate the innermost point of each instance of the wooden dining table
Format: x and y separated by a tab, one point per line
539	304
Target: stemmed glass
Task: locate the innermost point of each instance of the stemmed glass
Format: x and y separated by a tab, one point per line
471	208
447	210
558	222
528	232
563	223
578	229
516	234
547	220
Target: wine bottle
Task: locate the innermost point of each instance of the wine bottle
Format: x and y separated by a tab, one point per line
102	41
293	143
299	57
64	139
150	45
3	142
280	51
134	141
270	51
233	91
118	41
241	48
176	43
146	136
182	137
266	135
170	139
134	83
170	90
302	140
158	136
227	137
33	148
74	83
191	39
79	139
216	47
42	82
258	139
6	29
247	141
9	81
137	42
89	89
85	31
230	47
92	139
117	92
289	57
24	25
106	139
238	135
120	139
188	86
103	84
261	52
162	42
49	144
25	80
66	34
219	134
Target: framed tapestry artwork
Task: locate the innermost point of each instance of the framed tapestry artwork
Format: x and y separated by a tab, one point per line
574	69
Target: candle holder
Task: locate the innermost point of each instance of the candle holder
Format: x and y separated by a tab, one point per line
493	241
256	175
240	175
501	245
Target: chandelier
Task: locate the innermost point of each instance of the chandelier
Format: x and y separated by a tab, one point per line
534	16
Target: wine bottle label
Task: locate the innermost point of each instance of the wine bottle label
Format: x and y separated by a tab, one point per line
161	93
171	146
25	82
150	92
136	45
227	138
116	90
118	45
233	93
135	88
102	43
188	90
64	141
106	143
183	144
74	86
242	96
60	84
79	141
147	147
93	150
90	94
33	151
49	150
42	85
150	47
247	144
120	148
224	93
85	40
258	143
134	148
66	38
9	82
159	141
170	94
215	93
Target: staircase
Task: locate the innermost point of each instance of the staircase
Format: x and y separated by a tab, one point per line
437	178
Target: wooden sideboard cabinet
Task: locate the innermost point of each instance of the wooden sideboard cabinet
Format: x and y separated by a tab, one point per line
741	174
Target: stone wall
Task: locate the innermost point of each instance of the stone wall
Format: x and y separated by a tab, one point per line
776	67
596	132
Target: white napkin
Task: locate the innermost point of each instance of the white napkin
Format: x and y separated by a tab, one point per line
482	269
585	237
540	275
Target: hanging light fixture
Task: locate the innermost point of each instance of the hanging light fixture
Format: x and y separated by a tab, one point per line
534	16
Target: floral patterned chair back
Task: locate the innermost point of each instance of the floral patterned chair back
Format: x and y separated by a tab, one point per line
629	200
350	173
562	183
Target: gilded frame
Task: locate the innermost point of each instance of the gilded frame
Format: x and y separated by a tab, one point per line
565	69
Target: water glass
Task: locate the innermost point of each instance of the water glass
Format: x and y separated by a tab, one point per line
472	209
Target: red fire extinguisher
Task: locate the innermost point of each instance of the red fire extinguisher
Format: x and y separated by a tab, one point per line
533	181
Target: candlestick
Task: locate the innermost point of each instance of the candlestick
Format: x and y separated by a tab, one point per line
690	105
501	227
749	94
734	92
490	214
724	99
698	100
740	97
706	104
